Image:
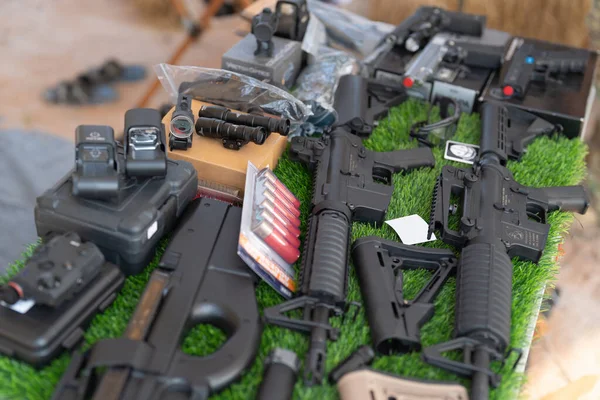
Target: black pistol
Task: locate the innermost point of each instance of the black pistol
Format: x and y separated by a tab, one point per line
530	64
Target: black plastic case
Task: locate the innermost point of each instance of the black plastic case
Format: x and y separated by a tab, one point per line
126	229
42	333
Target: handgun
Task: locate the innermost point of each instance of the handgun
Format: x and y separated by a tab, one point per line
414	33
530	64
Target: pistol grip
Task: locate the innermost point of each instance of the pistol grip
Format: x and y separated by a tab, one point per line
404	160
567	198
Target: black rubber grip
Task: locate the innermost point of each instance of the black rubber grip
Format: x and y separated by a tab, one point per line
567	198
483	294
327	253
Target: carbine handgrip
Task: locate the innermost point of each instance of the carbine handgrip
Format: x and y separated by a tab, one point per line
483	294
567	198
326	254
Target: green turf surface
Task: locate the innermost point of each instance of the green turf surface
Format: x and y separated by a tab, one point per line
549	162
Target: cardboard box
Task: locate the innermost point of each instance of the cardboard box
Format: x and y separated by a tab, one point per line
224	168
568	102
280	70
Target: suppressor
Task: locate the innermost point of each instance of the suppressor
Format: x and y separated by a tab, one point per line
279	125
281	370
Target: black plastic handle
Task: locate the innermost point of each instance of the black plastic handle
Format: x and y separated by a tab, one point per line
567	198
403	160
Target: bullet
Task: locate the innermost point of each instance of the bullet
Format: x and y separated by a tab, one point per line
269	187
264	215
270	207
294	221
276	242
270	176
283	208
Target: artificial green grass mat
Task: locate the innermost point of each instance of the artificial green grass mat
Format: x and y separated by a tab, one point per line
553	161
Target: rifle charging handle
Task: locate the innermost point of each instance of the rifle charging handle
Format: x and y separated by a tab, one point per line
281	371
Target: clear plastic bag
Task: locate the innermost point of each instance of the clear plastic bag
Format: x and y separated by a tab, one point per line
229	89
318	80
344	30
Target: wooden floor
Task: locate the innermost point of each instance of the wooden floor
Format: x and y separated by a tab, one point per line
43	41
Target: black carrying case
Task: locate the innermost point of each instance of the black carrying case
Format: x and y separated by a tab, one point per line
126	229
42	333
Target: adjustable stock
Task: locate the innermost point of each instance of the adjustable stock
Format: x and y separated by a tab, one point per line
368	384
395	322
507	130
359	102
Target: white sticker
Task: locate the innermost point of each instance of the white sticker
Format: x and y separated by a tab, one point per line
152	230
21	306
461	152
412	229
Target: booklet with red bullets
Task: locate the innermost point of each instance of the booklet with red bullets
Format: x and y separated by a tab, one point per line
269	236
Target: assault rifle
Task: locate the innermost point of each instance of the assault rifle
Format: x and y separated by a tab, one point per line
351	183
500	219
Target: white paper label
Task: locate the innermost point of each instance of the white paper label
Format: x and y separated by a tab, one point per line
412	229
21	306
152	230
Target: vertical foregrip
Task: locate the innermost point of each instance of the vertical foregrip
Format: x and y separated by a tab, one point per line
483	295
326	255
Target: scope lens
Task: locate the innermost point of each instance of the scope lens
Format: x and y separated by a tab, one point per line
182	126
